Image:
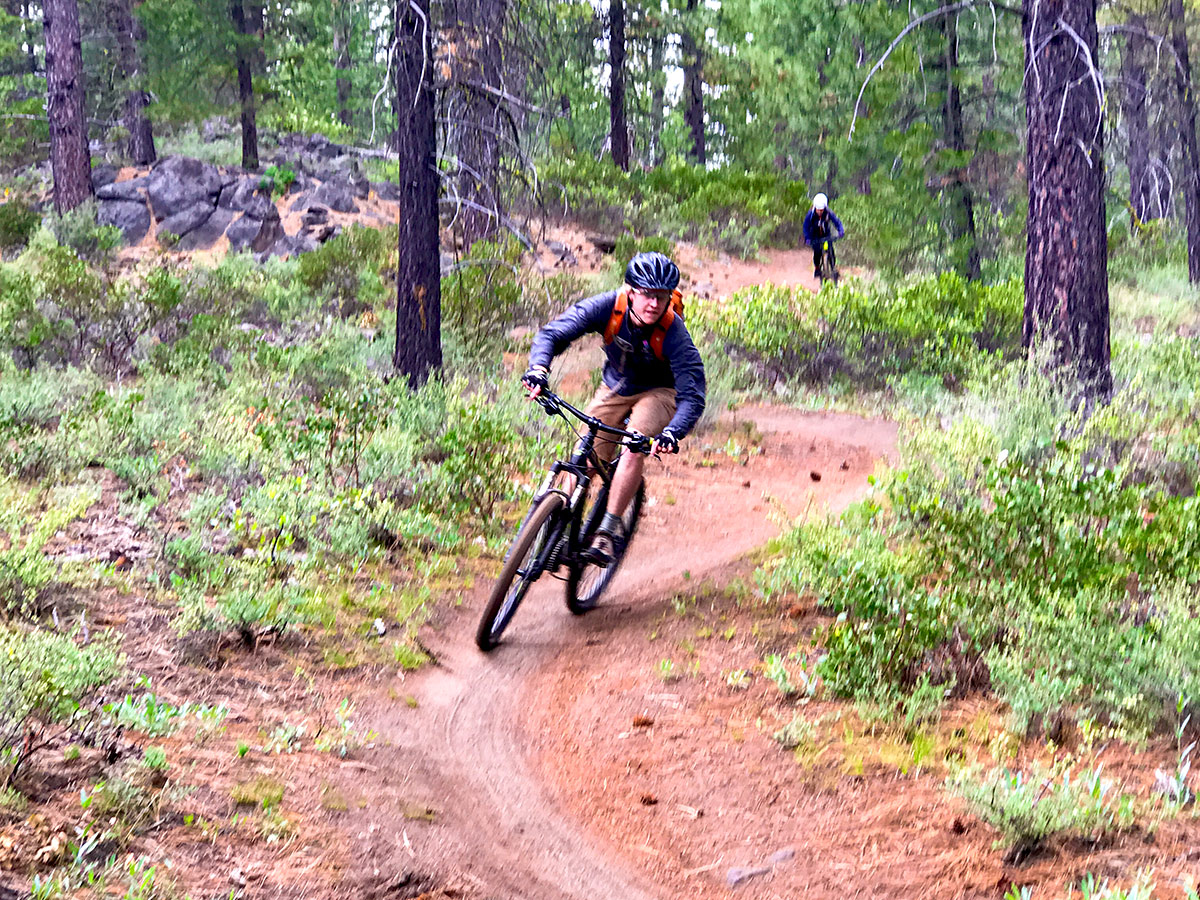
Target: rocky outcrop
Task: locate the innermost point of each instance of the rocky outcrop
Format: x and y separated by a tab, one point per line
198	202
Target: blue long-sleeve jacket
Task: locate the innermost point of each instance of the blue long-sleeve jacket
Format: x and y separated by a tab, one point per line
812	232
631	371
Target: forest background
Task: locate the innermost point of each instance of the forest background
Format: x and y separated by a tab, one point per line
228	447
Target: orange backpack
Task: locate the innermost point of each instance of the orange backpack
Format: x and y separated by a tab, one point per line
660	328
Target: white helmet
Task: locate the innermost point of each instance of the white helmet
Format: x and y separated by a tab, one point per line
820	201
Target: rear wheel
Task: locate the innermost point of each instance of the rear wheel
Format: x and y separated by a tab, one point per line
587	581
521	569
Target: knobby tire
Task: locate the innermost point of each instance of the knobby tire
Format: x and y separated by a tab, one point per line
521	569
586	581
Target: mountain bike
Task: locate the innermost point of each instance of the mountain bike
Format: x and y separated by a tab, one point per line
565	514
828	268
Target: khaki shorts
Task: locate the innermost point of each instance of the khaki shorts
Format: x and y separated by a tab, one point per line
648	413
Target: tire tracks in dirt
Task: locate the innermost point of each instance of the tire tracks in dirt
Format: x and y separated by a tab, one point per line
455	792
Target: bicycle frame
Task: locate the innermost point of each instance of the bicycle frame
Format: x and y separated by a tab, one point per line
584	463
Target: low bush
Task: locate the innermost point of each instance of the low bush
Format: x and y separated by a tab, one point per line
939	326
736	210
45	679
1028	808
18	221
1048	554
348	269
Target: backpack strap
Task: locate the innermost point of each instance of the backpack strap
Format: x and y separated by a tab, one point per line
660	331
617	317
659	335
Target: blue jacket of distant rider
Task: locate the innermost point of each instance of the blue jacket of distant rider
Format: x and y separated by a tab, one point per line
814	232
630	366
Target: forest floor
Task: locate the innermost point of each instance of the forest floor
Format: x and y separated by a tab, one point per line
627	754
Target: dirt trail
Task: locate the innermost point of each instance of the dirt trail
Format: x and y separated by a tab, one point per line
471	756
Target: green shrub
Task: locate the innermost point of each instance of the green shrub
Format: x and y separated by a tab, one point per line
277	179
25	572
482	299
347	268
18	220
736	210
938	326
1029	808
45	679
78	231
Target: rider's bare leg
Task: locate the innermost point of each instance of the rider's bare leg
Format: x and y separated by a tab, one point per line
625	482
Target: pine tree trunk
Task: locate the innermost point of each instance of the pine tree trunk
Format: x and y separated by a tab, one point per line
618	128
1137	122
961	211
658	98
140	146
693	88
418	350
1066	260
245	55
70	161
1187	136
479	138
343	22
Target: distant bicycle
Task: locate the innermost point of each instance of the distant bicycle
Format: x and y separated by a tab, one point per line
827	270
562	519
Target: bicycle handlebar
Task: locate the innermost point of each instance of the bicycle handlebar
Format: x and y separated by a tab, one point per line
554	405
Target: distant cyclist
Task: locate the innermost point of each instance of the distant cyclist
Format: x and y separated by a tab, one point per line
821	224
653	376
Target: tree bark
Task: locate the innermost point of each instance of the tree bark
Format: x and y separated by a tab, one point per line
418	350
479	140
343	27
618	128
1066	259
961	211
1187	136
1137	122
140	145
658	98
242	25
70	161
693	88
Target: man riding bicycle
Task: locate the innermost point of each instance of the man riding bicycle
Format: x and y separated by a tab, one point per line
820	225
653	376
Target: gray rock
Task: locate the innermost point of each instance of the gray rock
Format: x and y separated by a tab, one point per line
386	190
187	220
129	191
291	246
783	855
205	235
178	182
301	202
246	196
103	174
738	874
315	215
131	216
566	256
337	194
254	233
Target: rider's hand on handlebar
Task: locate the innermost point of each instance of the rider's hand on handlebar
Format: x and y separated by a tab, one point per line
666	443
536	380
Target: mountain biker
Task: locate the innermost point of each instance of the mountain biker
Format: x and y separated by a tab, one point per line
653	376
820	224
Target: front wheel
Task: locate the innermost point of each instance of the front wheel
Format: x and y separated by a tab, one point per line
586	581
521	569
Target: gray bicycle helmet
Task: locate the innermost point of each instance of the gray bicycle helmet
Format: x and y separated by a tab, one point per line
652	272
